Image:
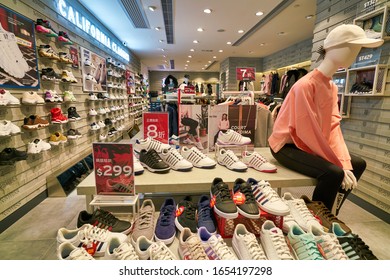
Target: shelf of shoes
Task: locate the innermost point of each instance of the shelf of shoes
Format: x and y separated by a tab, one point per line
366	81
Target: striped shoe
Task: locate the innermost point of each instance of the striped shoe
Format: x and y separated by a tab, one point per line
149	144
267	198
197	158
230	160
175	160
190	246
230	137
258	162
214	246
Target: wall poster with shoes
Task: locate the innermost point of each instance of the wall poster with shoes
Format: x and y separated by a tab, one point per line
94	71
18	57
74	54
114	168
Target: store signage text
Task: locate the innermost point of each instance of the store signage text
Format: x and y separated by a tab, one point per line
77	19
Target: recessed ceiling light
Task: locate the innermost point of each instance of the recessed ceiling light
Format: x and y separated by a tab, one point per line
259	13
209	61
309	16
205	65
195	41
192	50
200	29
202	68
186	65
190	56
185	68
241	31
281	33
220	51
207	11
157	28
152	8
262	44
214	56
229	43
188	61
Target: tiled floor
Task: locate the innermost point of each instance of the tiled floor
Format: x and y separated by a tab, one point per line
33	237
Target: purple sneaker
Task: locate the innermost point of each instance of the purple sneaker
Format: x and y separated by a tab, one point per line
165	227
205	214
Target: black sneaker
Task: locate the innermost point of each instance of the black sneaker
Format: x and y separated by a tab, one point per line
101	96
222	200
353	246
107	121
248	206
73	115
205	214
103	219
49	74
185	215
10	155
153	162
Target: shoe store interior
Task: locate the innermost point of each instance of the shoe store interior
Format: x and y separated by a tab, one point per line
194	130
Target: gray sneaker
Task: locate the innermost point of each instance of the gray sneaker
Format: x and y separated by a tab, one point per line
144	223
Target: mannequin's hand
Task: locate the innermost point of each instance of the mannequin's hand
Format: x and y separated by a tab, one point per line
349	181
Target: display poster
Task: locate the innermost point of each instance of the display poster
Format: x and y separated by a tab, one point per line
367	57
18	57
94	71
193	126
240	118
113	165
74	54
156	126
245	73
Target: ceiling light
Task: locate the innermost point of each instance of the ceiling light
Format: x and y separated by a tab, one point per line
157	28
190	56
152	8
195	41
229	43
209	61
207	11
185	68
186	65
220	51
200	29
241	31
262	44
214	56
192	50
205	65
309	16
202	68
259	13
187	61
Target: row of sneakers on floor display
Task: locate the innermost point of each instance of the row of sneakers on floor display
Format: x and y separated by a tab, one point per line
160	158
43	26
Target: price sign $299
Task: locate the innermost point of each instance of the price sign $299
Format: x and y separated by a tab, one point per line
116	170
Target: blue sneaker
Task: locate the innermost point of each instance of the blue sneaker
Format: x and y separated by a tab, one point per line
165	227
205	214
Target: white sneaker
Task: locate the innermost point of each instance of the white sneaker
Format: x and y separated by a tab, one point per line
245	244
8	128
329	243
94	126
274	242
67	251
149	250
118	250
230	160
231	137
31	97
258	162
92	112
91	78
267	198
214	246
37	146
6	98
148	144
138	168
300	213
197	158
93	238
101	111
190	246
102	137
92	96
175	160
101	124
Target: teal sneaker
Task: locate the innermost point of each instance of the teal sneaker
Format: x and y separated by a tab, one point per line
303	244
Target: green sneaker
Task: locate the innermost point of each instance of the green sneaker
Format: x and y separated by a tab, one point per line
304	244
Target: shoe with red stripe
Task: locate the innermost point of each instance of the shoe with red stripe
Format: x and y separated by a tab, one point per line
258	162
267	198
103	219
91	238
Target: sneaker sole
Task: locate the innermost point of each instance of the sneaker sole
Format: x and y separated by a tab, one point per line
37	126
247	215
139	172
223	214
232	144
206	167
272	211
159	171
166	241
265	171
233	169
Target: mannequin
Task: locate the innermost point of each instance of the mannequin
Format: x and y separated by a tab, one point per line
307	136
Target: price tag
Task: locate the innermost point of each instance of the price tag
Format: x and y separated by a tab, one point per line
245	73
113	165
156	126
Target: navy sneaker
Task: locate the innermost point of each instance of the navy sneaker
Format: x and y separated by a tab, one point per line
248	207
205	214
185	215
165	227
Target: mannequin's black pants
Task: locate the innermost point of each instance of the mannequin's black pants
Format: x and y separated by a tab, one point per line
329	176
193	124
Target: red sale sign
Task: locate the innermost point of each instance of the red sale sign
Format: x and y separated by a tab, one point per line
156	126
113	165
245	73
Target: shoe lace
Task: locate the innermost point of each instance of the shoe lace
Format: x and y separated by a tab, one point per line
306	248
357	244
160	252
331	247
324	212
105	219
196	249
198	153
154	155
190	211
254	248
204	213
269	192
280	246
223	192
80	254
303	210
232	155
125	252
246	189
91	234
166	215
221	248
144	219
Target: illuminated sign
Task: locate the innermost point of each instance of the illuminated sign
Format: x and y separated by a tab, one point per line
79	20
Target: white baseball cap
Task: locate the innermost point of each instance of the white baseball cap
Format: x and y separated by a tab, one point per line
351	34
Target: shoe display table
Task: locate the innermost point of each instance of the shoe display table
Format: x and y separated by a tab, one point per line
198	181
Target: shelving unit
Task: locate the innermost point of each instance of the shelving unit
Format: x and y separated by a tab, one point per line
366	81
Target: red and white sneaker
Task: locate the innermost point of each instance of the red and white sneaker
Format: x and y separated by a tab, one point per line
258	162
